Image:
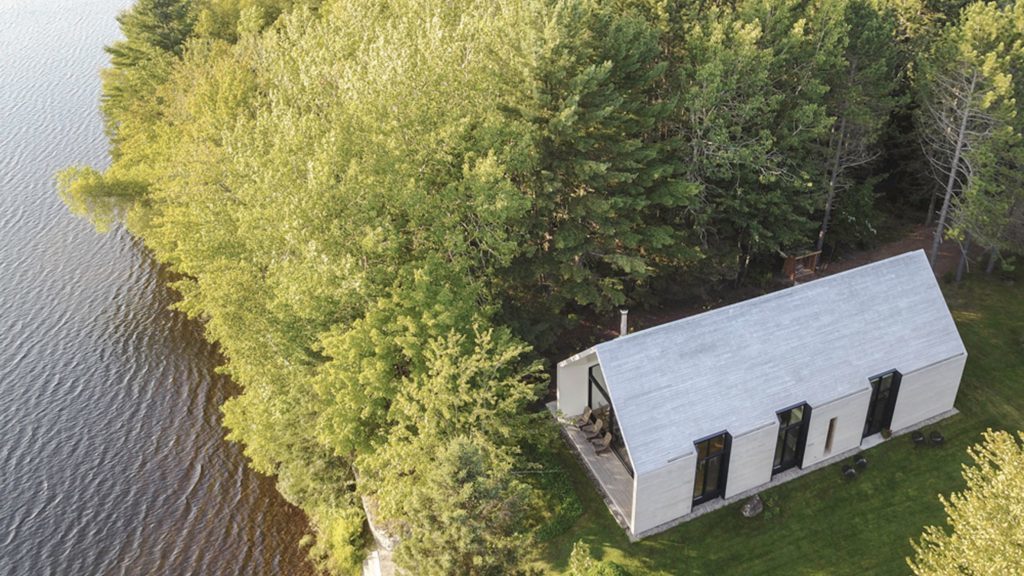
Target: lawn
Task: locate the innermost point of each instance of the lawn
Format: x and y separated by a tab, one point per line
819	523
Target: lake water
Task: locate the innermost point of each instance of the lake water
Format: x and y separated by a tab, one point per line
112	458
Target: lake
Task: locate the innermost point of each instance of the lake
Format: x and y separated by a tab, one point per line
111	446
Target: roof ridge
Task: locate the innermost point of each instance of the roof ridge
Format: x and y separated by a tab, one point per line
769	296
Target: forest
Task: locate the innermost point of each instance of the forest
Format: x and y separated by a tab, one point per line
388	213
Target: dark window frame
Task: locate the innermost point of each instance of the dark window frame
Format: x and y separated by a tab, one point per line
801	440
722	456
878	417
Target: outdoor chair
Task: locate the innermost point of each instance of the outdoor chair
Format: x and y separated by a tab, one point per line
595	417
860	462
918	437
597	430
849	472
937	438
604	444
584	418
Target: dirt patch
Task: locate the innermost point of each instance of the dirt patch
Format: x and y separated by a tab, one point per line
919	238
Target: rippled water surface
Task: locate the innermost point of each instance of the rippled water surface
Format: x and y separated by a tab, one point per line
112	458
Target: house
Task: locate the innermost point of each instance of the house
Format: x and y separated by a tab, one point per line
719	405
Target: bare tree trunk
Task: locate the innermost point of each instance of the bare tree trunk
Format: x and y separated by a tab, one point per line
951	181
833	177
742	263
931	210
962	265
993	257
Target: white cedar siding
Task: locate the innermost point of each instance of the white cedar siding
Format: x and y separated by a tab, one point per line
571	383
928	392
750	459
663	494
850	412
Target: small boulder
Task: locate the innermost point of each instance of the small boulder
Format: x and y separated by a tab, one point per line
752	507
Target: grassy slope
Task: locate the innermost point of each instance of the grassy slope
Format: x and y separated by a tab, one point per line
819	524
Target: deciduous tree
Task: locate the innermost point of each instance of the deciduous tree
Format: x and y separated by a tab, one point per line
985	535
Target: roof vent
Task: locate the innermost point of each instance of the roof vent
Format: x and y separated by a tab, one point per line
623	321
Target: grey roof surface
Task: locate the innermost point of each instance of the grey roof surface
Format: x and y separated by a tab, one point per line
732	368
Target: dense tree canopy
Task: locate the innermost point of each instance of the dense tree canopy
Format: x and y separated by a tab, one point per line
985	537
970	125
382	211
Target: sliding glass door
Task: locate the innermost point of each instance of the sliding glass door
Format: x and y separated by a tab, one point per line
789	447
712	467
884	389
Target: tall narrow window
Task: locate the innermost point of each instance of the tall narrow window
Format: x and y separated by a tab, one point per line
831	436
712	467
789	446
884	389
600	402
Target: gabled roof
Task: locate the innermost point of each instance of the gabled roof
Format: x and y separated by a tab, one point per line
734	367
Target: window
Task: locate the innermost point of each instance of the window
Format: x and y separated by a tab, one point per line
712	467
600	403
597	398
884	389
789	446
831	435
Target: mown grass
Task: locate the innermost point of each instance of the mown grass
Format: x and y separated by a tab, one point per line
819	523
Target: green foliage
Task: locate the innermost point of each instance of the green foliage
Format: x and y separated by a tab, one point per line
560	505
984	519
229	19
607	200
160	24
339	544
989	206
378	210
970	123
581	563
749	82
456	502
772	509
858	218
154	32
104	199
861	97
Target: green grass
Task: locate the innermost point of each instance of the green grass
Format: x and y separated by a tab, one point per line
820	524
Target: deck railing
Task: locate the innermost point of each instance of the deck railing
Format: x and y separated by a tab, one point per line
797	267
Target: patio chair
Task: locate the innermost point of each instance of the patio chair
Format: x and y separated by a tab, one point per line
604	444
937	438
860	462
597	430
849	472
918	437
584	419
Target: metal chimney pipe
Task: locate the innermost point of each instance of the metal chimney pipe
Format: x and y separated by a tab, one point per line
623	321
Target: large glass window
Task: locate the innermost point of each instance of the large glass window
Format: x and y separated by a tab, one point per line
597	397
789	447
712	467
600	403
884	389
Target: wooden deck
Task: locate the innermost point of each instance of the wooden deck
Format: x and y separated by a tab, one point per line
611	477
